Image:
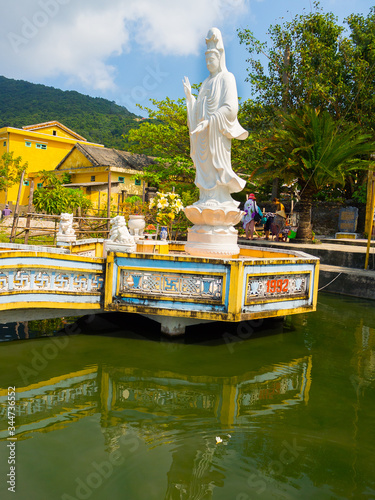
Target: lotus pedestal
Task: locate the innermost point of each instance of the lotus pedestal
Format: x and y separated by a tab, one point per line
213	233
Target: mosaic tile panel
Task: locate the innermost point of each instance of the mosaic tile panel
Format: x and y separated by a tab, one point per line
46	280
173	285
277	287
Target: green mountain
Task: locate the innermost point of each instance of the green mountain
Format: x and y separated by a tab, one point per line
98	120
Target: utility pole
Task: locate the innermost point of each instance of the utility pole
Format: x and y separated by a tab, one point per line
29	208
371	221
109	200
16	211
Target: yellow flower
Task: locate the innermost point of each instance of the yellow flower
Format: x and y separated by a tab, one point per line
178	206
163	203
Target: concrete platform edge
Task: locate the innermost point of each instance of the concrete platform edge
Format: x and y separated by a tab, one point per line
347	281
341	265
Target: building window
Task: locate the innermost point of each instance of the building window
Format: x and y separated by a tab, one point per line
54	132
39	185
4	143
121	179
28	144
138	182
92	178
41	146
25	183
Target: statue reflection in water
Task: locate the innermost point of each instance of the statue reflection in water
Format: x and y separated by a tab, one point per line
198	458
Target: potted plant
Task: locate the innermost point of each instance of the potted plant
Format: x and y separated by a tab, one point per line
133	208
149	231
167	207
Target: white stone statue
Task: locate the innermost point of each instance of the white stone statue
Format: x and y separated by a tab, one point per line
66	225
212	121
119	232
120	240
66	234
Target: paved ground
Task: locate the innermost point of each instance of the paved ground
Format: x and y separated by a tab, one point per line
342	264
324	241
328	244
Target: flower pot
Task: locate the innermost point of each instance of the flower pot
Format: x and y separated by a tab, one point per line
136	224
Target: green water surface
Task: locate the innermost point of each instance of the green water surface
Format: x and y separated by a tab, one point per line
283	412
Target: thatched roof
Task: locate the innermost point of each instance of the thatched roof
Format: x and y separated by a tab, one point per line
106	157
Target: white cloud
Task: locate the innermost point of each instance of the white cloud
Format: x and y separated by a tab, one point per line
77	38
172	27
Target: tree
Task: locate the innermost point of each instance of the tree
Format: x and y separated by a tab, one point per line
53	198
50	178
362	36
311	61
165	135
170	174
310	148
10	171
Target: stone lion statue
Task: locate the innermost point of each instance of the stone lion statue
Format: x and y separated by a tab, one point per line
66	225
119	232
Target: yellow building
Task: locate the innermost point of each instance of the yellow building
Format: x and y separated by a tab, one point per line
91	168
43	146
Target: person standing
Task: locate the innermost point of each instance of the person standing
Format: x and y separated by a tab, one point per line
279	206
250	209
278	217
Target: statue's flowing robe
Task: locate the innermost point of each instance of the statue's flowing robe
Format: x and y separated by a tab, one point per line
210	149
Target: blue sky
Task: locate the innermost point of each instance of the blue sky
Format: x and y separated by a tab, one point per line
129	51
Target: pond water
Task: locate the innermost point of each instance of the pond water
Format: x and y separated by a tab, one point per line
283	411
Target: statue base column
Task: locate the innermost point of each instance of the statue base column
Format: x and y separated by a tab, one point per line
115	246
64	240
213	233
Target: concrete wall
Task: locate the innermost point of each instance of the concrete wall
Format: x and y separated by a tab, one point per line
325	215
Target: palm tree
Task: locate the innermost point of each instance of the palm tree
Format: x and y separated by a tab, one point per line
310	147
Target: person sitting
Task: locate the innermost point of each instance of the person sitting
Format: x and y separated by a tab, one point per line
285	232
6	211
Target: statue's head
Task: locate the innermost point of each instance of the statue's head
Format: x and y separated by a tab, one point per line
214	42
119	220
213	60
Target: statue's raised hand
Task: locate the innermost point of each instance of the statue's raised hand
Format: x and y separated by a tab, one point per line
187	88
